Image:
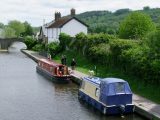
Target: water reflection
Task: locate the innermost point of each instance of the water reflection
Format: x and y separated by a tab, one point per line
26	95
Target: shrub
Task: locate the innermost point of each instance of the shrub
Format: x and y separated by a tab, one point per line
153	41
53	48
30	42
64	40
100	53
38	47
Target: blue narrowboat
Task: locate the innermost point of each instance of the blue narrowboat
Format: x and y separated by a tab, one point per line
108	95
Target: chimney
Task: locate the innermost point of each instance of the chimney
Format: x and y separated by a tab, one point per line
73	12
57	15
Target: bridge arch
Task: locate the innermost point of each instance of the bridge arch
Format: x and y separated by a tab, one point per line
5	43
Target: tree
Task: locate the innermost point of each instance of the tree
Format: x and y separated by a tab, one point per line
1	25
17	26
8	32
122	11
135	26
153	41
28	29
146	8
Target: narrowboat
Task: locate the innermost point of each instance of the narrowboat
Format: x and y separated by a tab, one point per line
109	95
53	71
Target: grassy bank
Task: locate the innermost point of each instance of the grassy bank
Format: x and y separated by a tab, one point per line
84	65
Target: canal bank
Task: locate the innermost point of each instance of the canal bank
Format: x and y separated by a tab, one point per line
3	50
143	106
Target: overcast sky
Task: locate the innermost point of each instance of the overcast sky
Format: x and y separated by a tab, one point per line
34	11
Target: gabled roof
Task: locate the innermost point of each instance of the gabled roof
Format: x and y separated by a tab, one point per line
63	20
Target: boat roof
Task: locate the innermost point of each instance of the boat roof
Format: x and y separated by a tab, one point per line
112	80
50	62
97	80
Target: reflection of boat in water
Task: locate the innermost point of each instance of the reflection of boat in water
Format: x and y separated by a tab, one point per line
53	71
108	95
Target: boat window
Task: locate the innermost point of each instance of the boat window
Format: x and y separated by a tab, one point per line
119	87
97	92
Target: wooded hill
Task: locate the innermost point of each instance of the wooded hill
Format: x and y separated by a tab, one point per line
108	22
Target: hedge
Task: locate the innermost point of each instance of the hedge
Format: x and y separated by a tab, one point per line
131	56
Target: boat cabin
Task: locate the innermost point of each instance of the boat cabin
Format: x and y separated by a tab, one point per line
109	91
53	68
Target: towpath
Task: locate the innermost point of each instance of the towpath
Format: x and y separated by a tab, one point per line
143	106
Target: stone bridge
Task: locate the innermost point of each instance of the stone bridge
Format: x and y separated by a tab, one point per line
5	43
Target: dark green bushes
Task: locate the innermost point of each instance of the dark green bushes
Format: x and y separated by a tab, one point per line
30	42
54	48
39	47
133	57
64	40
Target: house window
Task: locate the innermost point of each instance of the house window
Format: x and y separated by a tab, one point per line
97	92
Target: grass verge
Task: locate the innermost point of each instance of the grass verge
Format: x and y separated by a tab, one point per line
150	92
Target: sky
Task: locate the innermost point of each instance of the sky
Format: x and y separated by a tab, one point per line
36	12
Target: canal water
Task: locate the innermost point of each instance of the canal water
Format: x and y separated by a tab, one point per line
26	95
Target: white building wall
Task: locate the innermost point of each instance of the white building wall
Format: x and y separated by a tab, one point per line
53	34
74	27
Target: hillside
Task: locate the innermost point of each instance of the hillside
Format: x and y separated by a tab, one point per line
108	22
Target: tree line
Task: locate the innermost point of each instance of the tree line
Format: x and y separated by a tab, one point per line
109	22
15	29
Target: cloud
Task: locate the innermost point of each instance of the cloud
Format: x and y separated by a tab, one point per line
34	11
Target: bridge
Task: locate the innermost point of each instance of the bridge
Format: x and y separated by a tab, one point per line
5	43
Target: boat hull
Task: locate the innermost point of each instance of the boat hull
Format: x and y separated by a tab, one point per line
108	110
57	79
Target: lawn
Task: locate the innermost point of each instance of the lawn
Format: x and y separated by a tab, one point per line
84	65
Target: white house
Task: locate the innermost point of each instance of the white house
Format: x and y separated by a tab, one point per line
68	24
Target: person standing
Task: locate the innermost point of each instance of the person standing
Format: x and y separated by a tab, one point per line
65	60
62	59
73	64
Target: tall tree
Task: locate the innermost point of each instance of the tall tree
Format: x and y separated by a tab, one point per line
28	29
1	25
17	26
8	32
136	25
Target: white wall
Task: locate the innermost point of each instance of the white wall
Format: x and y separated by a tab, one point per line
71	28
53	34
74	27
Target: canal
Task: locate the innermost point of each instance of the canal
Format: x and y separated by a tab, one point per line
26	95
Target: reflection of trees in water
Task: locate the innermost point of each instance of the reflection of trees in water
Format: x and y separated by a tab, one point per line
17	46
69	88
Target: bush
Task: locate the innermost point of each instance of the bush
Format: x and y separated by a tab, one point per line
153	41
64	40
39	47
30	42
54	48
118	46
100	53
130	56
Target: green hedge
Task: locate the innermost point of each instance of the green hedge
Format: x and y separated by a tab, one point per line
53	48
39	47
130	56
30	42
